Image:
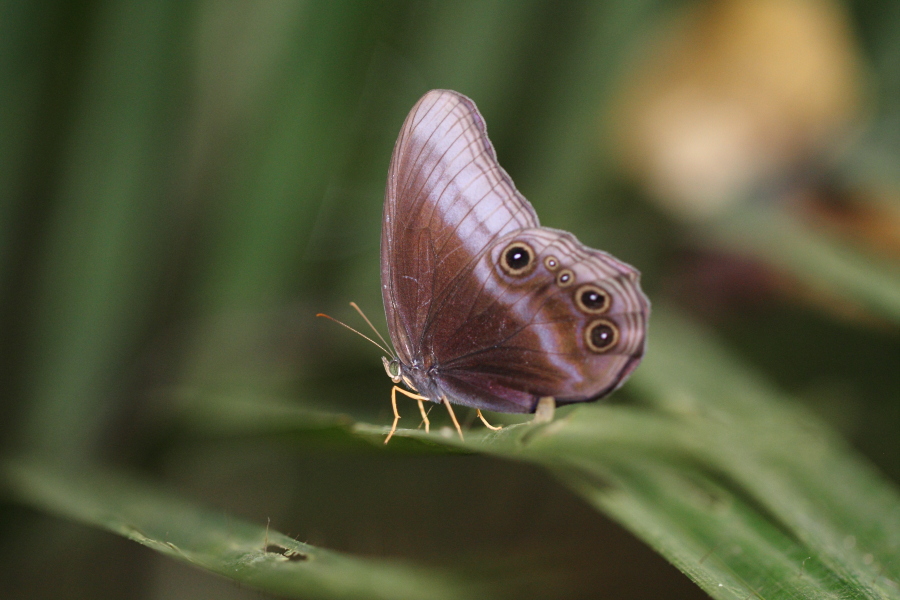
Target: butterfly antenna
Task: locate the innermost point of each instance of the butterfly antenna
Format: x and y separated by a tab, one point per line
359	310
383	349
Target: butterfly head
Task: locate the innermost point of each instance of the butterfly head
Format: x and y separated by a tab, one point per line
392	368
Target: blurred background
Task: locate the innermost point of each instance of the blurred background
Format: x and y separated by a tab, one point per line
185	184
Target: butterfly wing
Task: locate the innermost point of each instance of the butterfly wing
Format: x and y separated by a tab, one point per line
467	322
446	202
522	336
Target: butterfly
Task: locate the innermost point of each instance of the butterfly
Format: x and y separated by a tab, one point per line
486	308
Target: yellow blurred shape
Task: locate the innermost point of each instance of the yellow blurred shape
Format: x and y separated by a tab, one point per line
734	93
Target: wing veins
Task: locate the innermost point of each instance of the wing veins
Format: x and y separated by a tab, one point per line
419	198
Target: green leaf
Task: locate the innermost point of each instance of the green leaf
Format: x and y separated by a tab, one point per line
729	479
831	268
744	491
245	552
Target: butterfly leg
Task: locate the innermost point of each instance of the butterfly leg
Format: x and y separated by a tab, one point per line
396	414
424	414
486	424
394	391
545	409
453	416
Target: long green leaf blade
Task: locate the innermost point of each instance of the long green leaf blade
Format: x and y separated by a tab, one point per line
242	551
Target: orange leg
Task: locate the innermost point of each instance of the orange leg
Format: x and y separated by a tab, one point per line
453	416
486	424
394	391
424	414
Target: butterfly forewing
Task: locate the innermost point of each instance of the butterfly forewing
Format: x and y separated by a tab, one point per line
447	198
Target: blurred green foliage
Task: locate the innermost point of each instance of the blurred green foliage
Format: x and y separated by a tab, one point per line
184	185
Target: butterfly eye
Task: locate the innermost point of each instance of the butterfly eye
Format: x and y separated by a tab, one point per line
551	263
565	278
592	299
392	368
601	335
517	259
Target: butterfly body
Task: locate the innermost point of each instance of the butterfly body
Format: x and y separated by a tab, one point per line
485	307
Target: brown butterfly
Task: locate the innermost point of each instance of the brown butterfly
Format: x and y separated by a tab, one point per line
485	307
